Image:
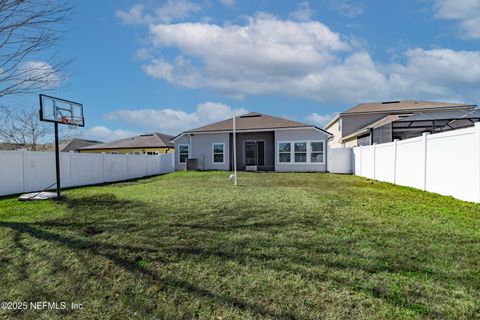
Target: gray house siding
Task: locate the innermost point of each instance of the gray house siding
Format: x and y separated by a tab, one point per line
300	135
351	123
269	154
201	148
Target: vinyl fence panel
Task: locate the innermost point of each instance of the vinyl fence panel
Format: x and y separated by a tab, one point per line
339	160
384	169
410	163
26	171
447	163
451	164
11	172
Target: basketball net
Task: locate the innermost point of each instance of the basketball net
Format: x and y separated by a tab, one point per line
70	122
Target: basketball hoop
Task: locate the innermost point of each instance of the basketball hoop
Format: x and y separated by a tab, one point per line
60	111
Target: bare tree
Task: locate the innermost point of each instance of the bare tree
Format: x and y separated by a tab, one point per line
23	126
29	29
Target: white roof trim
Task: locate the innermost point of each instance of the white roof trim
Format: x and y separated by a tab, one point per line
331	122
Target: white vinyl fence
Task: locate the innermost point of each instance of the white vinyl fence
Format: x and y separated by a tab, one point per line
26	171
447	163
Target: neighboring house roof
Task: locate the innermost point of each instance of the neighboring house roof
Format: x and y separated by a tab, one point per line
11	146
252	121
71	144
149	140
74	144
402	106
376	124
445	115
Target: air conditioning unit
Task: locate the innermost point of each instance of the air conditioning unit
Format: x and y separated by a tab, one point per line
251	168
192	164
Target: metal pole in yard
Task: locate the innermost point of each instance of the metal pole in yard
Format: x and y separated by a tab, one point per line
57	161
234	151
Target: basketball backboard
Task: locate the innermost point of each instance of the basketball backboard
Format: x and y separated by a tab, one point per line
61	111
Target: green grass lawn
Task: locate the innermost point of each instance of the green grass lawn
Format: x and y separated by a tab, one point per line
190	245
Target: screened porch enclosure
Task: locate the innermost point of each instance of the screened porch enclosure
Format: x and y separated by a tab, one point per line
254	149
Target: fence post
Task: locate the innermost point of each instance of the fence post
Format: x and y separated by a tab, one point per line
128	165
146	164
395	146
103	167
425	154
24	174
361	156
70	168
374	161
477	147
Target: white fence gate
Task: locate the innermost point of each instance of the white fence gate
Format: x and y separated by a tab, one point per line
26	171
447	163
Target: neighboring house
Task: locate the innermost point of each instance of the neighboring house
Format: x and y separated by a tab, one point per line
150	143
12	146
71	145
382	122
263	143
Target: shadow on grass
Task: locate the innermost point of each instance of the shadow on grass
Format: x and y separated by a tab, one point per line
110	251
93	216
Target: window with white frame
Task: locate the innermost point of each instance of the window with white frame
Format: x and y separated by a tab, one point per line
183	153
137	153
218	150
300	152
316	152
152	153
284	152
114	152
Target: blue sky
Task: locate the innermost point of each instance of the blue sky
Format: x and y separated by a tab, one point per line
169	65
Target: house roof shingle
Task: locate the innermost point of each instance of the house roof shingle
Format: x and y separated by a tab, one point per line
405	105
74	144
149	140
376	124
251	121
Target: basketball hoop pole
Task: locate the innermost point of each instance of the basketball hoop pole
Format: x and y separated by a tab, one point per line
57	160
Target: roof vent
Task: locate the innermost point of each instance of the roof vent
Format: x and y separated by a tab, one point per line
390	102
146	135
251	115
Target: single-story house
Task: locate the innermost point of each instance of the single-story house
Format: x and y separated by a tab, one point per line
263	143
380	122
150	143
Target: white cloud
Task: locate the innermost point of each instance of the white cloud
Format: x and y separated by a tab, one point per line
320	119
347	8
105	134
134	15
267	55
303	13
40	72
172	10
174	121
228	3
466	12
